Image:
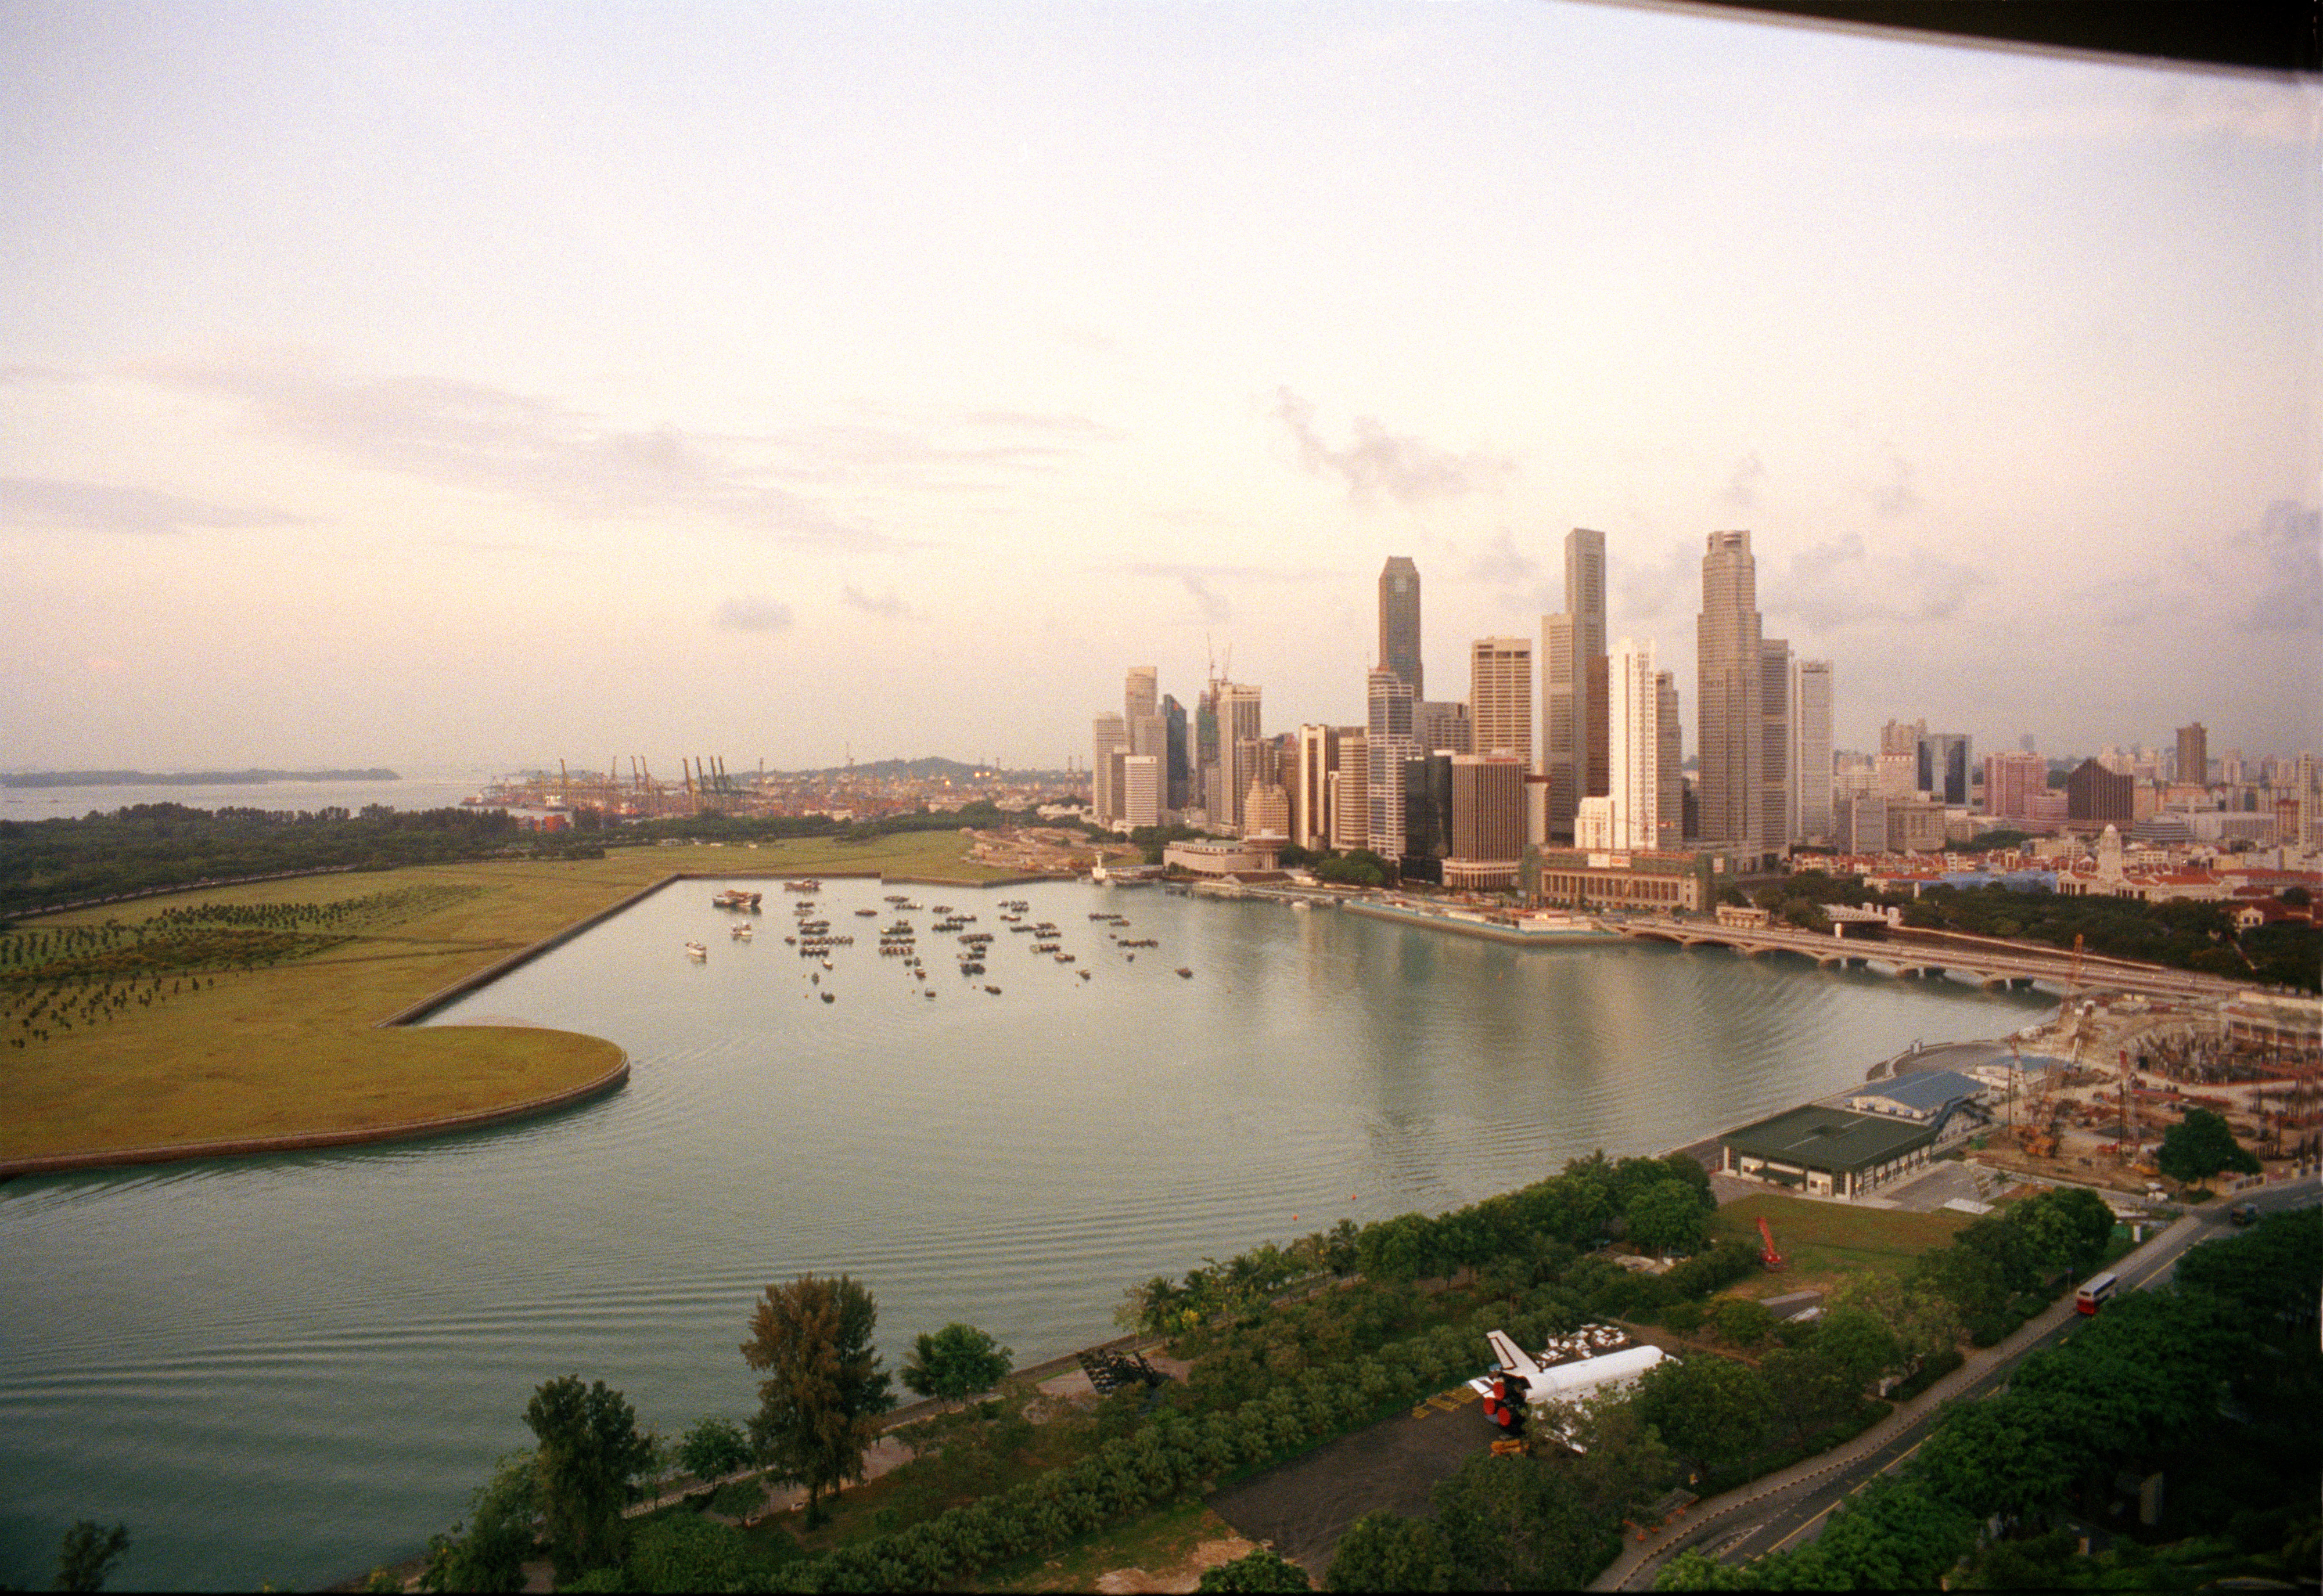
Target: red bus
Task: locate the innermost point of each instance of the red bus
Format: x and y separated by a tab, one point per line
2094	1291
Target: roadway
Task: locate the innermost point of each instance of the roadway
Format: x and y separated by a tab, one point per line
1789	1508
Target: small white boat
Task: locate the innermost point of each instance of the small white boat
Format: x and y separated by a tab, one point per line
697	951
741	934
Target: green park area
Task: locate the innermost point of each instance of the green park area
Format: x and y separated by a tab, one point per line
253	1011
1824	1244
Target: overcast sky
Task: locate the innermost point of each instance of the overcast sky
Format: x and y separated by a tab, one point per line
491	384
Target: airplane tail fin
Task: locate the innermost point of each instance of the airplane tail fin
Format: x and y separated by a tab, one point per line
1512	1356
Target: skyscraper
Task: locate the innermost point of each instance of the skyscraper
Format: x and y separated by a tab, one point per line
1178	772
1138	693
1635	744
1943	765
1573	717
1388	744
1499	697
1399	621
1669	762
1811	681
1351	791
2194	755
1731	733
1318	761
1108	736
1238	723
1777	790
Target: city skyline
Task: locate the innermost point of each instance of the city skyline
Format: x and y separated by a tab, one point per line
520	383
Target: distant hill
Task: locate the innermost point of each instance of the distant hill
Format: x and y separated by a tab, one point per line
187	778
928	770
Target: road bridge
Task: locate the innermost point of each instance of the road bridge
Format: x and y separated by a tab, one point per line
1993	964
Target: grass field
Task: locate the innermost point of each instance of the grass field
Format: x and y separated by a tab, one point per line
295	1048
1823	1244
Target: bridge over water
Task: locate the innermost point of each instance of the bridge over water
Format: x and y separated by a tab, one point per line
1996	964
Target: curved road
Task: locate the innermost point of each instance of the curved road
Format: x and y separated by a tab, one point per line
1789	1508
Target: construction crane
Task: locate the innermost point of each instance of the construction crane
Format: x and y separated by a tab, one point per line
1768	1255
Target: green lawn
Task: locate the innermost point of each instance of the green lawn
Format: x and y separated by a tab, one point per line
1824	1243
296	1047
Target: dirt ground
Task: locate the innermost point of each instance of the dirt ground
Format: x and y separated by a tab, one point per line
1304	1506
1185	1575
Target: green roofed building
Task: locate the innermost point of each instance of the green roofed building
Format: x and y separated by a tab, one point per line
1828	1151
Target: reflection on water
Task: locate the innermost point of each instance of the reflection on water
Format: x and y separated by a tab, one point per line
288	1369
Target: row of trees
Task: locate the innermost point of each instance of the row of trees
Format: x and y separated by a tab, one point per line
2194	936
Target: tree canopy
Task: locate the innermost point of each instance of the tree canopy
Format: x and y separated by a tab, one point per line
590	1451
2202	1146
958	1361
819	1404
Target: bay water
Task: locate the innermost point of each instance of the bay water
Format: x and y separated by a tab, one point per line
292	1367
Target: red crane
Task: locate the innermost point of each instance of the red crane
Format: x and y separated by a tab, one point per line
1768	1256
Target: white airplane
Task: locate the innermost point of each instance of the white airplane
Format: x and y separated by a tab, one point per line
1519	1380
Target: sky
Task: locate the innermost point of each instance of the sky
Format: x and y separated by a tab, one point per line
493	384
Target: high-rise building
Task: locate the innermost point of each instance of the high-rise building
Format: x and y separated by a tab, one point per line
1318	761
1902	737
1441	725
1635	745
1669	762
1238	723
1945	763
1207	772
2096	796
1399	621
1426	814
1389	744
1499	697
1811	681
1177	779
1778	792
1141	788
1488	822
2013	781
1138	693
1108	736
1574	745
2194	755
1351	791
1729	739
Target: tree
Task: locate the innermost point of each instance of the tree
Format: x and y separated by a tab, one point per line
487	1551
714	1449
1666	1217
1384	1551
86	1557
2199	1146
1710	1411
958	1361
2066	1228
820	1404
1262	1570
589	1452
1520	1523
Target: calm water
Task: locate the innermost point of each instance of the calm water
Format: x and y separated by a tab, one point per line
291	1368
429	791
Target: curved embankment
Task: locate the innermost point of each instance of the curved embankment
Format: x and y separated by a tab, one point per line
412	1127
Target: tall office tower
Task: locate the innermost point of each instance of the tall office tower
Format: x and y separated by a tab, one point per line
1398	605
1178	770
1635	755
1439	724
1499	697
1237	724
1206	775
1574	746
1319	757
1108	736
1730	736
1351	791
1669	765
1943	766
1138	693
1558	668
1777	789
1488	822
2194	755
1902	737
1141	788
1266	810
1426	813
2012	781
1811	699
1390	743
2310	803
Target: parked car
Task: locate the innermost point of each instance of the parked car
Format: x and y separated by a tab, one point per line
2244	1213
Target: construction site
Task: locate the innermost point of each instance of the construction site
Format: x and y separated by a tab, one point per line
2116	1070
